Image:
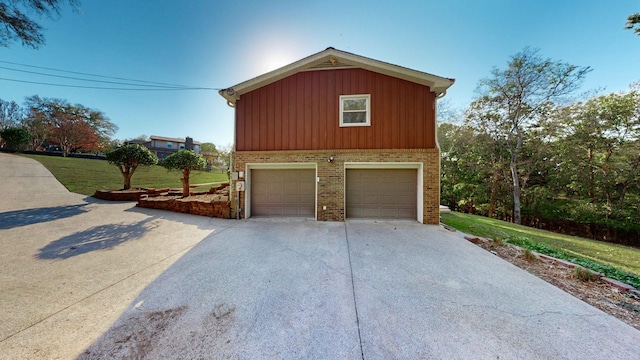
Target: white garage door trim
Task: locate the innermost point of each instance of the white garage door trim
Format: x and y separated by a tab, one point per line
274	166
391	165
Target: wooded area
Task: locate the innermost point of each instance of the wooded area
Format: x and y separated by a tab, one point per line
578	165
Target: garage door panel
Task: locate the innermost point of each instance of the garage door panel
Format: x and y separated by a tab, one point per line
406	214
283	192
309	199
381	193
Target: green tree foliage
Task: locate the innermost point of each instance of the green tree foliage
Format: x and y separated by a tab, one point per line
209	148
16	21
602	153
185	161
517	98
579	167
128	158
73	127
633	22
14	138
474	171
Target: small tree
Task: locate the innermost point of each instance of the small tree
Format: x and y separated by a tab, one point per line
128	158
185	160
15	138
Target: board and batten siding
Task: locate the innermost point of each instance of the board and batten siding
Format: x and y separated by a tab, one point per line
301	112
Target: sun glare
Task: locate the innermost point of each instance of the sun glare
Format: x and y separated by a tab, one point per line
275	59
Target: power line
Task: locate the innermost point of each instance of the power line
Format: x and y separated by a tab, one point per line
89	74
99	81
156	87
108	88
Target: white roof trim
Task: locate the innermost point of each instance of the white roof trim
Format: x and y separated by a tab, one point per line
342	60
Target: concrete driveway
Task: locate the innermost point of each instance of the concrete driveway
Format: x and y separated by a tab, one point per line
180	286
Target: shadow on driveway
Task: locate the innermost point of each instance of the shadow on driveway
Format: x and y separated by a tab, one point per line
12	219
96	238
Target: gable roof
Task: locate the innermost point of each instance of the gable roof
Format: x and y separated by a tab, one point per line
177	140
336	59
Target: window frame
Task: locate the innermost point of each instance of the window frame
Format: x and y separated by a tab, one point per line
169	145
367	110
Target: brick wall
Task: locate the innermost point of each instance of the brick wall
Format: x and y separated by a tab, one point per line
331	185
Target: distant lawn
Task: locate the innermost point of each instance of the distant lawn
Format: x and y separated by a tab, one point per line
84	176
617	256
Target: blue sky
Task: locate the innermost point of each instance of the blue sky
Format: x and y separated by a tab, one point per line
217	44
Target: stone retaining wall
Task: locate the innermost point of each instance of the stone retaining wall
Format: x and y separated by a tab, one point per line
217	209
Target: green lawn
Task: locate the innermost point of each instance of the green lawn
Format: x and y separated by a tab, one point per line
620	257
85	176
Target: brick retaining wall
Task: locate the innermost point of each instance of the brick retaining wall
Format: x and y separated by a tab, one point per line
217	209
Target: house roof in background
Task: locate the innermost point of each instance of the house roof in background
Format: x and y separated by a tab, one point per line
337	59
178	140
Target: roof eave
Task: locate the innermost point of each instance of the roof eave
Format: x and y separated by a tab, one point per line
437	84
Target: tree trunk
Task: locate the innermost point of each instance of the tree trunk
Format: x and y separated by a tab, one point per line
513	166
591	191
127	174
494	192
185	182
517	217
625	187
127	180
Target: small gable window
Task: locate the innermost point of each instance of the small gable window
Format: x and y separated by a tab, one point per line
355	110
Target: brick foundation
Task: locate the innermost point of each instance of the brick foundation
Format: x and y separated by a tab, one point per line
331	190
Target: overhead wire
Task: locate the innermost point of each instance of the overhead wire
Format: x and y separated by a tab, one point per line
106	88
141	84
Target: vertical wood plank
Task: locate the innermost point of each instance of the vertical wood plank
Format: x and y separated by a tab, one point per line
315	109
241	117
270	116
430	116
293	125
308	110
322	110
262	116
276	122
338	134
284	116
300	128
301	112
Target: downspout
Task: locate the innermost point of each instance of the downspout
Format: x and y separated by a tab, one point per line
435	131
226	93
435	115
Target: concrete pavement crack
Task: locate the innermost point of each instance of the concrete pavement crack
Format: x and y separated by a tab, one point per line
353	287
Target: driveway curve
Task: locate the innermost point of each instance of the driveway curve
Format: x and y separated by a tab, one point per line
70	264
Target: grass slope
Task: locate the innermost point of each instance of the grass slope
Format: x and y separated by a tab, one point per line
586	252
85	176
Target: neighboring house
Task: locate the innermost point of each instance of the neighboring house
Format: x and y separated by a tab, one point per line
337	135
164	146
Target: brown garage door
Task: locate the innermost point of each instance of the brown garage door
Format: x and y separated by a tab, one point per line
290	192
381	193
